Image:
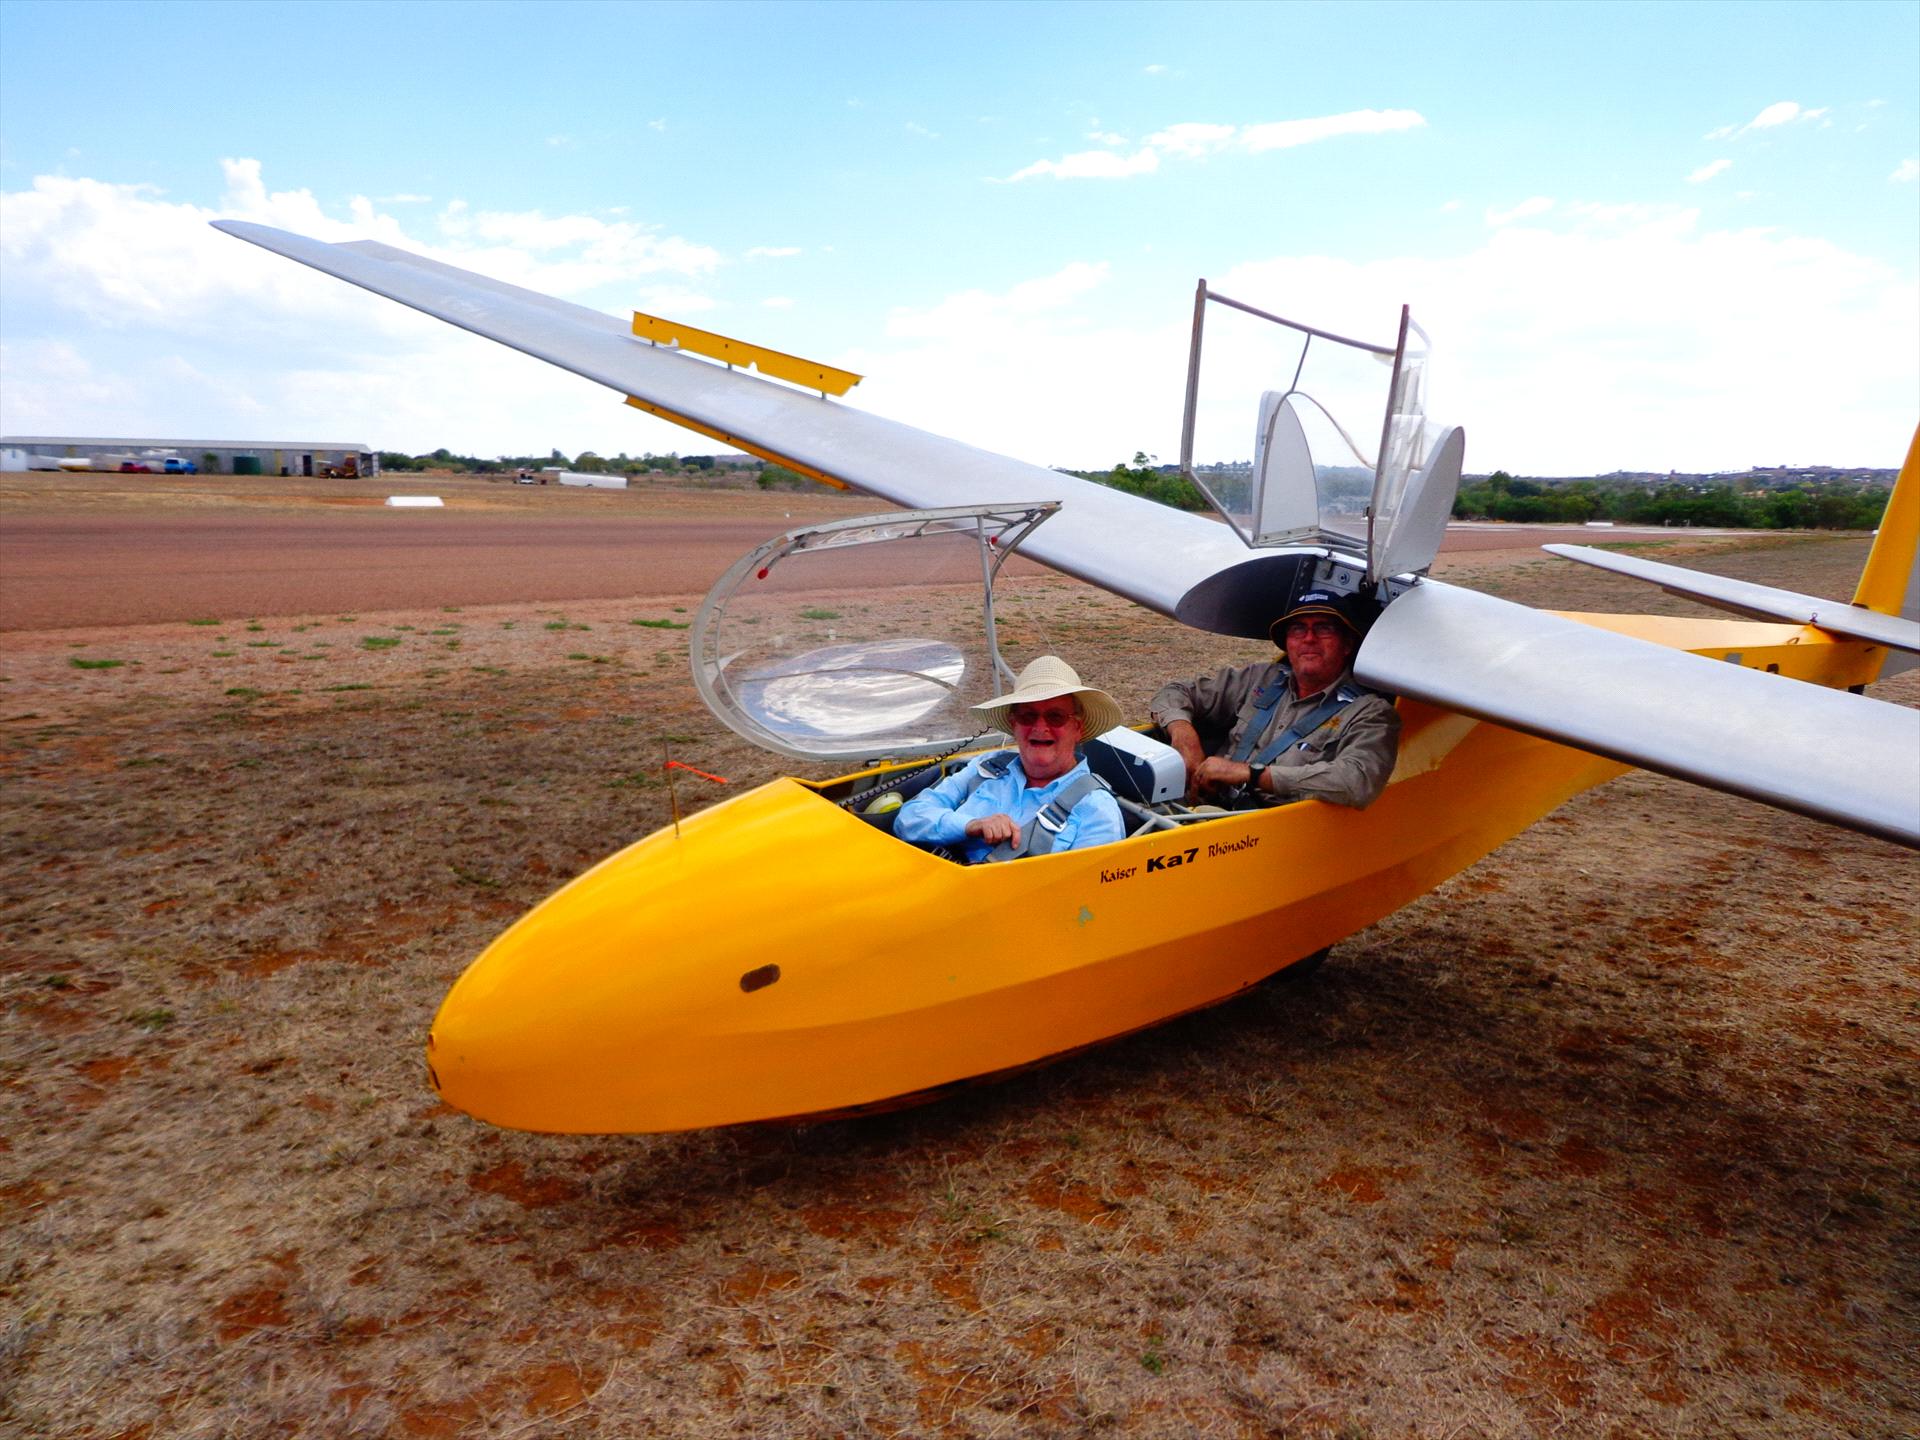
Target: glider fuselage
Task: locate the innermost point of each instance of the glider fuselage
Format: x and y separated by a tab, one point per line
781	958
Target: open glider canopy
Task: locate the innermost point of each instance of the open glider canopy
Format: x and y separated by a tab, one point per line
1321	475
861	638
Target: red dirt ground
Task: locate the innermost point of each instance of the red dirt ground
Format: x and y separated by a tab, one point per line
1614	1135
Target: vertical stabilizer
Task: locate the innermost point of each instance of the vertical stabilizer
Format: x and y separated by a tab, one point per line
1891	581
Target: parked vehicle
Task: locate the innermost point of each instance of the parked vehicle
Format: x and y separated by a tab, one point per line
135	467
176	466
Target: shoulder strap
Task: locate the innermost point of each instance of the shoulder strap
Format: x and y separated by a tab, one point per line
1315	719
1038	834
1267	699
991	768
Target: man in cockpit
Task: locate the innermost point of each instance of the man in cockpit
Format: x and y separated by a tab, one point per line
1033	799
1295	728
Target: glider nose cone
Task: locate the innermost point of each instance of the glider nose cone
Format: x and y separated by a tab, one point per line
575	1003
624	1003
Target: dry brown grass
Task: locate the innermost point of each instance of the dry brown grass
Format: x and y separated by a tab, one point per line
1616	1134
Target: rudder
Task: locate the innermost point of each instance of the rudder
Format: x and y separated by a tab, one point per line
1890	583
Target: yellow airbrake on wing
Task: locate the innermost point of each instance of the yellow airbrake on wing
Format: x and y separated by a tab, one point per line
815	375
827	379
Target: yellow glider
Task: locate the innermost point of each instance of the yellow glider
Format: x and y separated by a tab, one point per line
780	957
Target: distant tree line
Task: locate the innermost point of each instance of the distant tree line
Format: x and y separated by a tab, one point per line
1828	506
586	462
1145	478
1811	505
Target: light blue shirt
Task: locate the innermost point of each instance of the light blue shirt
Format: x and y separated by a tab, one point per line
939	815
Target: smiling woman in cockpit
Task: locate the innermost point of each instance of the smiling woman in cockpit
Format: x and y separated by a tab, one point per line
1033	799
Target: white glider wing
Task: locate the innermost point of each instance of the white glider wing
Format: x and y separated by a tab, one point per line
1134	547
1757	602
1838	757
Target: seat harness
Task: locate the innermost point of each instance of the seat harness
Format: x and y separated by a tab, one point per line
1038	835
1268	700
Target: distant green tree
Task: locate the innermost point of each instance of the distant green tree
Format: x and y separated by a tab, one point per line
1831	505
1145	478
779	477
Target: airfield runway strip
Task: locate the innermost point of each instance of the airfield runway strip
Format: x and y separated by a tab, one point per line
58	571
67	570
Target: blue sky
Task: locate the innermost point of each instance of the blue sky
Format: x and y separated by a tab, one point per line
1641	236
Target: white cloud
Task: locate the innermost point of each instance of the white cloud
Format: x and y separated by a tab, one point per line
772	252
1906	172
1153	70
402	199
914	127
568	253
1784	112
1707	171
1285	134
1656	358
1525	210
1781	112
659	125
1192	139
1196	140
1106	383
1595	336
970	310
1092	165
1106	137
125	312
1449	207
1622	213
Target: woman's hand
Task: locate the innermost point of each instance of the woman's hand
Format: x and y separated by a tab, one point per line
994	829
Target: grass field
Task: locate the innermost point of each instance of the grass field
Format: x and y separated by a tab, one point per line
1614	1135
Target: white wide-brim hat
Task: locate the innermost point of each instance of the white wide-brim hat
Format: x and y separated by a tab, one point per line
1048	678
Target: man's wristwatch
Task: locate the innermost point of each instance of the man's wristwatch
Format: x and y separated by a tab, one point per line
1254	772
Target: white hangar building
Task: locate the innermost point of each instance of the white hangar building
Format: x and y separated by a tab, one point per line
212	457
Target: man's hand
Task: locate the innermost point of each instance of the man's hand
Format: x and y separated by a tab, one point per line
1217	773
1186	740
994	829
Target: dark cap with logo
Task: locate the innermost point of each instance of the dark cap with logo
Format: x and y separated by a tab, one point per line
1356	612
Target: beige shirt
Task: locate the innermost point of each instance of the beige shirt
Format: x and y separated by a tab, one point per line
1346	761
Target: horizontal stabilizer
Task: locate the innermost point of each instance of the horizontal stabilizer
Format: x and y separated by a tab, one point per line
1835	756
1757	602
